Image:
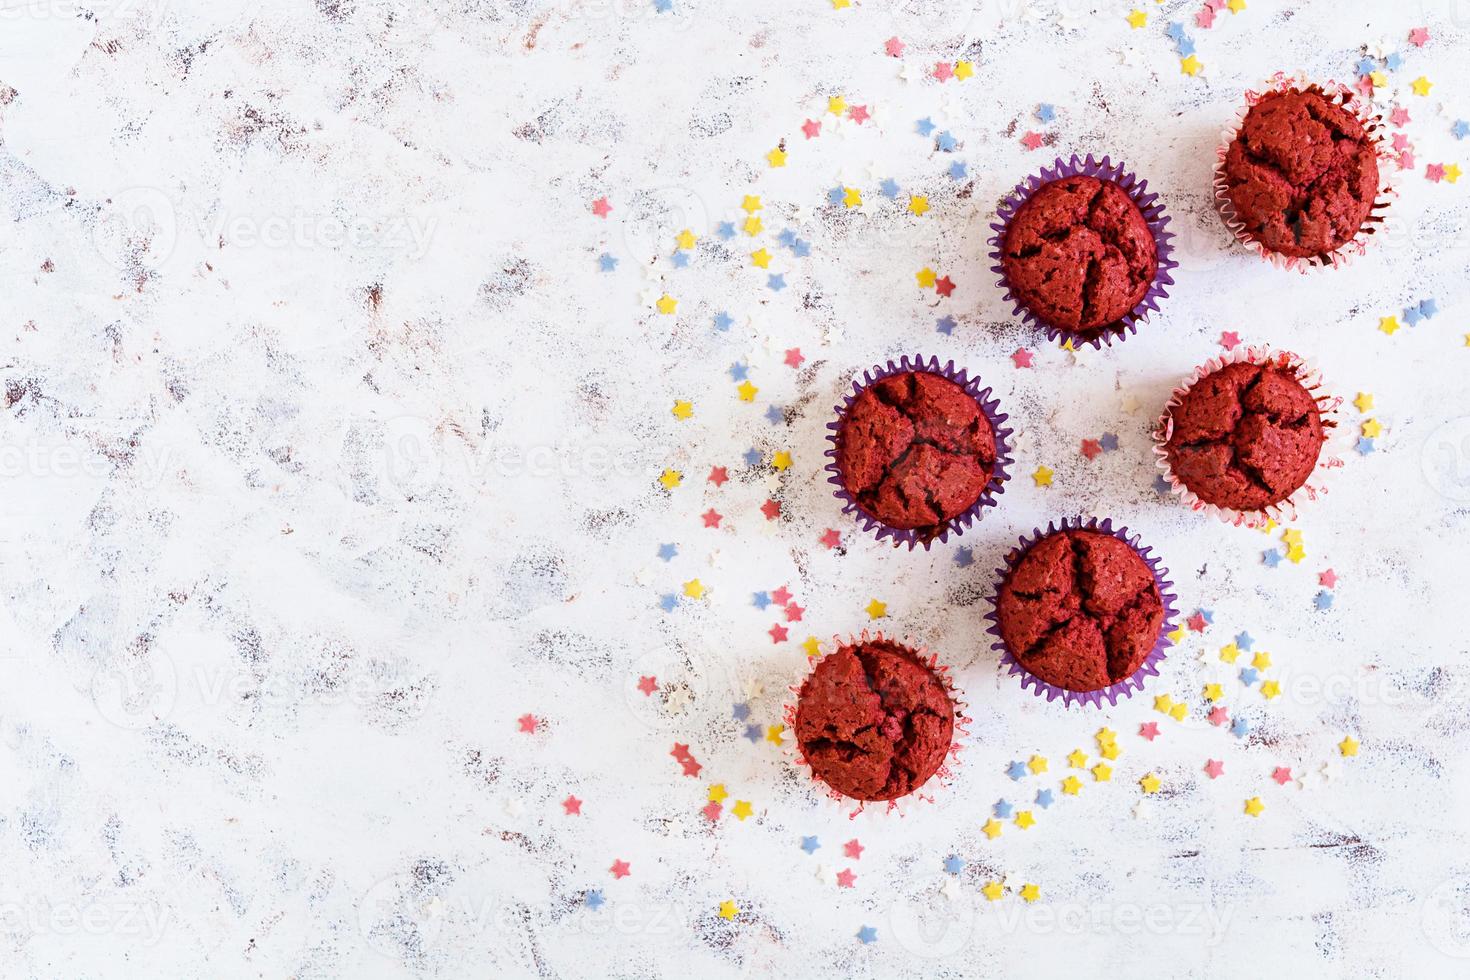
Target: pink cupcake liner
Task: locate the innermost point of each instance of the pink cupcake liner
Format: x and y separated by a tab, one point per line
1130	684
942	777
1327	404
956	525
1153	213
1372	123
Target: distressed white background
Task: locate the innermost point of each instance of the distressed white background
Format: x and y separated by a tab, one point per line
278	577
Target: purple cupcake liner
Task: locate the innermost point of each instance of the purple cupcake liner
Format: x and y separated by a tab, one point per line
1131	683
1153	213
989	407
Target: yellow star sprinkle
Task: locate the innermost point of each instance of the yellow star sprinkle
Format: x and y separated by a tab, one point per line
1295	553
993	891
1110	751
1261	660
1043	476
1105	735
728	909
741	809
811	647
1372	428
1150	783
1388	324
750	204
1292	536
1179	710
963	70
761	258
851	197
1236	6
836	105
1137	19
992	828
1421	85
1348	746
926	277
694	589
1102	772
1254	806
685	239
876	609
1364	401
1270	689
682	410
667	304
1071	786
1078	759
1037	764
1024	819
1452	172
1269	526
1190	65
1176	635
1030	892
1214	692
841	4
1378	78
747	391
1229	652
670	479
773	734
717	793
777	157
1163	703
918	205
782	460
753	226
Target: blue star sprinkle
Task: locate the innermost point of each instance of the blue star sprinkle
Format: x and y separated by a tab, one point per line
1271	558
924	126
1323	600
1207	615
738	371
1003	810
1108	442
1044	799
1460	129
1366	66
1248	676
667	551
1245	641
752	457
945	325
777	282
1394	61
680	259
1161	485
726	230
953	865
594	899
787	237
1412	316
723	321
889	188
753	733
957	170
668	602
1017	771
964	557
946	141
801	249
740	711
775	414
1427	308
663	6
810	844
867	934
1046	112
835	195
1175	30
1239	728
1186	47
1364	446
761	600
606	262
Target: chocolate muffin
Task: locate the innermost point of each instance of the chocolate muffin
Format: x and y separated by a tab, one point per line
1079	254
915	451
874	721
1080	609
1301	173
1245	437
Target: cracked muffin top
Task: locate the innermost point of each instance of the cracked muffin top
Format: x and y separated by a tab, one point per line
1079	254
915	451
1245	437
1301	173
873	721
1080	609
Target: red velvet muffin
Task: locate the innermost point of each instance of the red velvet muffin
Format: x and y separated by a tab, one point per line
1245	437
874	721
1079	254
1301	173
915	451
1080	609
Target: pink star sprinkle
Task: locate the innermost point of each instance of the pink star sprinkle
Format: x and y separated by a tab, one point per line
601	207
853	849
781	596
1400	142
1022	357
794	357
1149	730
811	128
1418	36
1031	141
943	71
793	612
1434	172
830	538
1214	768
1282	775
1327	579
778	633
620	868
1399	116
647	685
859	114
572	806
717	475
711	811
1091	448
1205	18
1406	160
1219	716
894	47
772	509
712	518
528	723
845	878
1229	340
691	768
1197	622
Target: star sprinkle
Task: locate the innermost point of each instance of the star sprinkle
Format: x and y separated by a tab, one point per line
993	891
1102	772
527	723
992	828
1348	746
572	806
1025	820
606	262
1419	36
1460	129
1032	140
830	539
926	277
1042	476
667	304
924	126
946	142
1044	798
944	286
1030	893
1214	692
867	934
683	409
1037	765
1244	640
1149	730
853	849
811	647
774	733
1452	173
810	844
741	809
647	685
1240	728
1271	558
1364	446
1214	768
1270	689
918	205
1002	810
620	869
594	899
1254	806
953	865
943	71
1022	357
723	321
876	609
728	909
1137	19
1190	66
1150	783
1421	85
1016	770
1218	716
601	207
747	391
776	158
778	633
694	589
1077	759
753	226
945	325
964	557
1045	112
1071	786
893	47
